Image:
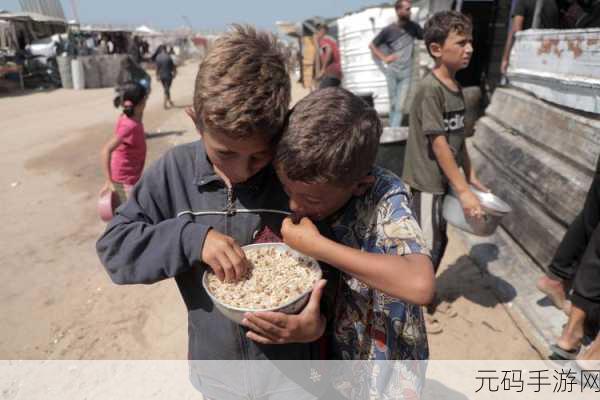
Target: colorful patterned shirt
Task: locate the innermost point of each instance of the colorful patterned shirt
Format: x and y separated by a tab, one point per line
370	325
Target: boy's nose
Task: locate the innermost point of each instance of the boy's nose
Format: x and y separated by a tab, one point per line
246	170
295	207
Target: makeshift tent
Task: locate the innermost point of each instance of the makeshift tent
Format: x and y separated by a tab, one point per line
145	30
19	29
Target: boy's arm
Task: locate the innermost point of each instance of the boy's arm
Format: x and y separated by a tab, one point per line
374	47
381	55
447	163
470	171
407	277
143	243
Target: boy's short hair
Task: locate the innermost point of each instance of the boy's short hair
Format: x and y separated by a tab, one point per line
332	136
438	27
398	3
243	85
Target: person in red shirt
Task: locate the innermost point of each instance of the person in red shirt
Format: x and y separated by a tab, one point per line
124	155
328	68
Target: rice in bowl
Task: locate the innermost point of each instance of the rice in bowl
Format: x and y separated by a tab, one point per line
276	277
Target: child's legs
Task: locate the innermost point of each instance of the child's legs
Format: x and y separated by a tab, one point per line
440	232
166	87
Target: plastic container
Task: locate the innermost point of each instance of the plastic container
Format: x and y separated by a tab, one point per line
107	203
78	74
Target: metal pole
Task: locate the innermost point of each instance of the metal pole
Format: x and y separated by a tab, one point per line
537	14
75	9
459	4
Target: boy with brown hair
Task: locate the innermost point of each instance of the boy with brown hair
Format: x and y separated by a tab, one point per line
195	207
325	161
436	148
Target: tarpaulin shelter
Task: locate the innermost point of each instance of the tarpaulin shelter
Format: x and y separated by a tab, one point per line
19	29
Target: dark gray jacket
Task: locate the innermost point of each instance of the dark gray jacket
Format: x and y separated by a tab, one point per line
159	233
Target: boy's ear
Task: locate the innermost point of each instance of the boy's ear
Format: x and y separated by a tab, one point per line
190	112
363	185
435	49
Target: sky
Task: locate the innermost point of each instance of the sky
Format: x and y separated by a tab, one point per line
203	14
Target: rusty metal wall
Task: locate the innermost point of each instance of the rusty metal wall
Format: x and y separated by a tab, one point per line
562	67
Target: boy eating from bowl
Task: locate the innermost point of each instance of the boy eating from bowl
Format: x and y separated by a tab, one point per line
193	209
325	161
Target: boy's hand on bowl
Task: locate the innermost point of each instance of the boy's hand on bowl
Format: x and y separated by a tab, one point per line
224	256
470	203
278	328
476	183
300	236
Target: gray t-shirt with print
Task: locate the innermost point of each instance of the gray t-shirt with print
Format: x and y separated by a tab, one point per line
436	110
399	40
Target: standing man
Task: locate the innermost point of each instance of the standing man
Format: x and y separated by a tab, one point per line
522	18
394	46
165	72
328	69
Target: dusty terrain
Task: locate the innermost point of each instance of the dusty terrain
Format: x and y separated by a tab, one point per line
56	300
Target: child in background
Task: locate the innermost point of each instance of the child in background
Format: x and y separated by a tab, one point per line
124	155
436	148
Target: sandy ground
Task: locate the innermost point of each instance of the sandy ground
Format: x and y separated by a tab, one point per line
56	300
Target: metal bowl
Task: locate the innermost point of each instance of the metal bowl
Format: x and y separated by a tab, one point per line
494	209
293	306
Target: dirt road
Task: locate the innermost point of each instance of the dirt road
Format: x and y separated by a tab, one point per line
56	300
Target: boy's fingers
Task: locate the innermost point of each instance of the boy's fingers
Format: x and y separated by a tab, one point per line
273	317
237	262
227	267
218	270
259	339
240	252
314	303
305	221
263	327
258	327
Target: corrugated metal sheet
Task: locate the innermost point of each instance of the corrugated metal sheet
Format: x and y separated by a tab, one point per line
29	16
562	67
51	8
